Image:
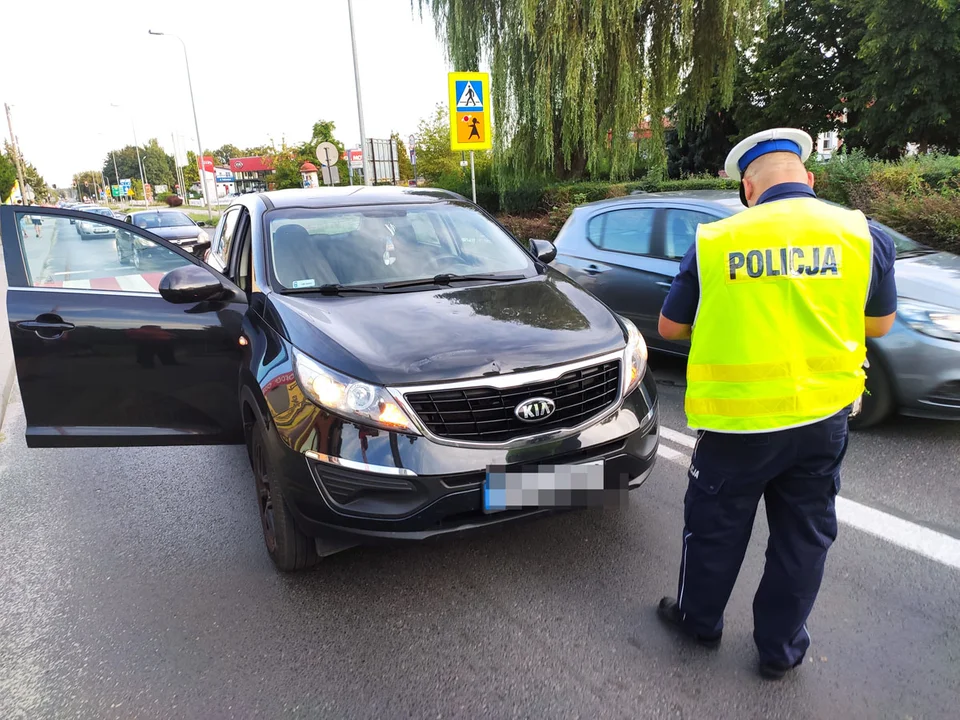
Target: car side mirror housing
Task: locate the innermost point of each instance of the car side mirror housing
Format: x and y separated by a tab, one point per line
201	223
191	284
545	250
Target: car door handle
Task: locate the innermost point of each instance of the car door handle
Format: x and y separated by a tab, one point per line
592	269
664	284
49	327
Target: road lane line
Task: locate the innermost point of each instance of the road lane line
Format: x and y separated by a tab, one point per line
134	283
678	437
931	544
921	540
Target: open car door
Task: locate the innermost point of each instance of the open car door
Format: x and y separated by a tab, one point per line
119	337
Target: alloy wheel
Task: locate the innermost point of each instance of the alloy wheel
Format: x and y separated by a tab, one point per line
264	497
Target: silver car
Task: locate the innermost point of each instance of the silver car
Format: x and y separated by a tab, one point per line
628	250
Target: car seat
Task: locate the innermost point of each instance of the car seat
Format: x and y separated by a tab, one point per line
297	257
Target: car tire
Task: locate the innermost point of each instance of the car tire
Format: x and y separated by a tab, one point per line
289	548
878	401
121	258
137	259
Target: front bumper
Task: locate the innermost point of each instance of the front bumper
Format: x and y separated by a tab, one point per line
355	485
925	372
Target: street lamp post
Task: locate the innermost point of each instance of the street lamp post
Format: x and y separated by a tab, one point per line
356	76
143	175
196	126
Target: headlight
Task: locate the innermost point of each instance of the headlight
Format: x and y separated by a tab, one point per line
349	398
203	237
933	320
634	358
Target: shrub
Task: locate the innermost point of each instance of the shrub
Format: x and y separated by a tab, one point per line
173	200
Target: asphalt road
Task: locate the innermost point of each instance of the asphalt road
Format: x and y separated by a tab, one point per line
134	584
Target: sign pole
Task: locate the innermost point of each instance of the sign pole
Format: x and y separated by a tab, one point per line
473	178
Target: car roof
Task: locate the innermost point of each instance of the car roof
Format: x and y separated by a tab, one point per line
353	195
156	211
726	200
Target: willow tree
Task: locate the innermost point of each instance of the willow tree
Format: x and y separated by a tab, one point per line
572	78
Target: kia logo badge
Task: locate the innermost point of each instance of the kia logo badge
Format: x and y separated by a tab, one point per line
535	409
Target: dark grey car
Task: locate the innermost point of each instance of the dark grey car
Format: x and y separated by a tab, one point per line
628	250
173	225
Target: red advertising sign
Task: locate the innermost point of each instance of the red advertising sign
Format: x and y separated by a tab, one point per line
354	157
208	165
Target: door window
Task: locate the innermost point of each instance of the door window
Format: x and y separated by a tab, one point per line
225	239
92	255
681	231
627	231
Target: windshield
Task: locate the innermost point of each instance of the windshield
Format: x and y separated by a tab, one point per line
903	244
161	220
385	244
98	211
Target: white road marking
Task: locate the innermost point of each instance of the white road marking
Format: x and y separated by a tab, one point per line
668	453
88	272
80	284
134	283
931	544
678	437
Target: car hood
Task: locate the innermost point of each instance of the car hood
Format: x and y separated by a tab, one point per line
451	333
176	233
933	278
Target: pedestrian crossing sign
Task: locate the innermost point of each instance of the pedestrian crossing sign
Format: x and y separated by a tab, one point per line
470	111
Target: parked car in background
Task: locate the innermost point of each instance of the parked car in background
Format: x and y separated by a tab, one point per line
628	250
91	228
79	206
396	364
173	225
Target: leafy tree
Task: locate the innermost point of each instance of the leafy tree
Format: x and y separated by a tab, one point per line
566	74
911	82
286	169
31	176
156	164
8	177
223	153
403	159
127	165
434	157
794	78
703	146
323	132
191	171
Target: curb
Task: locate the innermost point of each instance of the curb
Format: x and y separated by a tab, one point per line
6	388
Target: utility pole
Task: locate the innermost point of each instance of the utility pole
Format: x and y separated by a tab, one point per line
356	75
16	156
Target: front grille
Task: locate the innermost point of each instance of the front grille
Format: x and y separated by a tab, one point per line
486	414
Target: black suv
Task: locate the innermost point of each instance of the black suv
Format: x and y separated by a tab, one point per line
397	365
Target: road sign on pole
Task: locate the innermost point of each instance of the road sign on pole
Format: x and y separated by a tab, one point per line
327	154
470	111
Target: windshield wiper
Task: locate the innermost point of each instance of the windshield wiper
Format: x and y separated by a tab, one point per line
334	289
916	252
447	278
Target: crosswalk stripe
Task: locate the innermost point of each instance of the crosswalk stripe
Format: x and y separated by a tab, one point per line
77	284
134	283
678	437
937	546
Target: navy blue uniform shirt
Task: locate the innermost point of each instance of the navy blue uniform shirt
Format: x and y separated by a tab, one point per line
684	296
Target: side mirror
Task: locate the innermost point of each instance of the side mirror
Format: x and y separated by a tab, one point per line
201	223
545	250
191	284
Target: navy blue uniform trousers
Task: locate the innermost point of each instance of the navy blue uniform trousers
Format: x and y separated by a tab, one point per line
797	473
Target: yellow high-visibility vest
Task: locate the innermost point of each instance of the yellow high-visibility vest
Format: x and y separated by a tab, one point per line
778	340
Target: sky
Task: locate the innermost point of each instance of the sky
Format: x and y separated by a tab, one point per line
260	74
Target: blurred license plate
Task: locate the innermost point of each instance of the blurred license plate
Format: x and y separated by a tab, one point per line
543	486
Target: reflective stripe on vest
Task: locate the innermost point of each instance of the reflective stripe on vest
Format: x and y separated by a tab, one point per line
778	340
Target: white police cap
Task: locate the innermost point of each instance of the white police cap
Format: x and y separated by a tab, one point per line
768	141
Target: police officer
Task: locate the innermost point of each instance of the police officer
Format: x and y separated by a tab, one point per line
777	301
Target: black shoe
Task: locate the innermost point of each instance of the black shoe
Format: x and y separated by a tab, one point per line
775	671
669	612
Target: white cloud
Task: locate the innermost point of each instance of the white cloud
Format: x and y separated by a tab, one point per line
268	70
